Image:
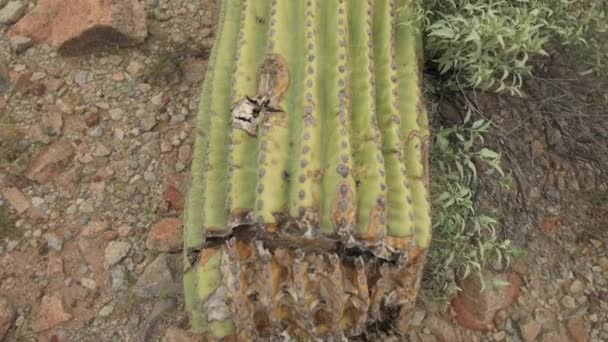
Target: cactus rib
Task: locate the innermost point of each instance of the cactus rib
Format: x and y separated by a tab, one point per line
308	214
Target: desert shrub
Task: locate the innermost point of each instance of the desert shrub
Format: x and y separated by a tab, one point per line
465	238
488	44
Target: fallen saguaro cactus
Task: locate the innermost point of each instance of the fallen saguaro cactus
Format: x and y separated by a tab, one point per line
308	213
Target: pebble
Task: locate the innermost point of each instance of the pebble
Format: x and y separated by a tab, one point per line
88	283
80	77
577	286
568	302
499	336
54	242
101	150
115	252
95	132
177	119
106	310
119	278
148	121
37	201
116	114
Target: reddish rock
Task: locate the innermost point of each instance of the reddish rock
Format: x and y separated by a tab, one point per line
17	199
55	265
51	314
577	330
174	197
49	163
77	27
166	236
7	314
92	119
530	330
476	309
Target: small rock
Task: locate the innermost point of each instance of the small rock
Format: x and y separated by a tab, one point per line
115	252
38	201
124	230
158	279
51	314
16	199
95	132
12	12
568	302
529	330
80	77
148	121
119	278
49	163
88	283
417	318
78	27
577	330
166	236
499	336
20	43
193	70
116	114
135	68
174	197
52	123
106	310
53	241
577	286
7	315
177	119
101	151
183	154
92	119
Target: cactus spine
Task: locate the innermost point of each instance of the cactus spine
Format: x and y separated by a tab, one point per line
308	212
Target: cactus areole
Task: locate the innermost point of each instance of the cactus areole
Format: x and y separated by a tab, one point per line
308	215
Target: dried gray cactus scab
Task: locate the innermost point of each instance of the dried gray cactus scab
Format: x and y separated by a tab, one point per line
249	113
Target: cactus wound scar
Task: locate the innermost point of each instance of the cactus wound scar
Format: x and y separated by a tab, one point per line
249	113
308	216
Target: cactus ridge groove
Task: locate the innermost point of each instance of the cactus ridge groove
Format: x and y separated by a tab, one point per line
308	214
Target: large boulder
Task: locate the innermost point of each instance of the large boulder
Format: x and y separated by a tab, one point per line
77	27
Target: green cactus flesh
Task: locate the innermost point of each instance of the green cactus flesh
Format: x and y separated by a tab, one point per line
308	213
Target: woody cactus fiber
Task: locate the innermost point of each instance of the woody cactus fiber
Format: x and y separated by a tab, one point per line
308	213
